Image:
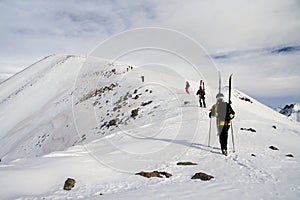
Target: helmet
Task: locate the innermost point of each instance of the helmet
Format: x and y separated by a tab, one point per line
220	96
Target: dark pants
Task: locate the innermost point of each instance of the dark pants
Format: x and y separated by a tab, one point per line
202	100
223	136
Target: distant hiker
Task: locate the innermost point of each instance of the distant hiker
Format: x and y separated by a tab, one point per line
187	87
224	114
201	94
143	78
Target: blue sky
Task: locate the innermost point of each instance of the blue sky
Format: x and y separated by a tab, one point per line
244	32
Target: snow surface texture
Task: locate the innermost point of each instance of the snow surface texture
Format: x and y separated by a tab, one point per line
59	121
292	111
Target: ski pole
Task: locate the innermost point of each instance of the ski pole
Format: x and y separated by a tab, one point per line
209	131
232	138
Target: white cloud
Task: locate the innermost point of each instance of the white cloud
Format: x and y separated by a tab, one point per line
234	24
33	29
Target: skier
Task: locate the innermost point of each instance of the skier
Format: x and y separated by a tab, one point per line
187	87
201	93
224	114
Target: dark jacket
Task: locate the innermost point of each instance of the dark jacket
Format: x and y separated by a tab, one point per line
201	92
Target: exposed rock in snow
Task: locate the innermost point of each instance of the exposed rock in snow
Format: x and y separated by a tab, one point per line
186	163
154	174
202	176
69	184
292	111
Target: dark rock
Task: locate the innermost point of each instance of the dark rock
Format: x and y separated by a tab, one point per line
274	127
166	174
186	163
111	87
136	97
95	103
202	176
112	122
273	148
117	107
154	174
289	155
69	184
146	103
134	112
253	155
135	91
246	99
155	107
248	129
97	92
150	174
104	124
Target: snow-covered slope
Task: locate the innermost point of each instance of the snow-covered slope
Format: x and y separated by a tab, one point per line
292	111
97	122
34	106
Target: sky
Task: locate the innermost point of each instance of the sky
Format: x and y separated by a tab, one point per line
257	40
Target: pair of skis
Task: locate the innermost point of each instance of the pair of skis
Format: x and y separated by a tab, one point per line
229	101
201	84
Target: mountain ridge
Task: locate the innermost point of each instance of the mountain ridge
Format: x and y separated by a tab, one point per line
75	118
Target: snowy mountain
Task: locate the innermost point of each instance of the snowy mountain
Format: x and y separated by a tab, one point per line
292	111
96	121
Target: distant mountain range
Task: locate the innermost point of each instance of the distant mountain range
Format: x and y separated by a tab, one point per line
292	111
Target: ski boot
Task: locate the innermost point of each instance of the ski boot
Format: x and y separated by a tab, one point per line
224	151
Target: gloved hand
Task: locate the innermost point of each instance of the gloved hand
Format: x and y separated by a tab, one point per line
209	115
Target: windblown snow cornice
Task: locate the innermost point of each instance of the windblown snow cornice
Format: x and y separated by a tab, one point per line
283	49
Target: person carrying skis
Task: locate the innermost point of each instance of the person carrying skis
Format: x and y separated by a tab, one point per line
224	114
201	94
187	87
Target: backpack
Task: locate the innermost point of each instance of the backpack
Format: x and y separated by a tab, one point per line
202	92
224	111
